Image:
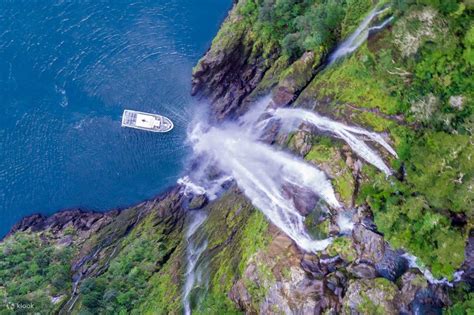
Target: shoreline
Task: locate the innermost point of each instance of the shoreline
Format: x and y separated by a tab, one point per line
34	219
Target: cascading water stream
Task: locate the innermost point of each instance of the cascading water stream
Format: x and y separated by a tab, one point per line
347	133
262	172
194	250
412	263
359	36
194	245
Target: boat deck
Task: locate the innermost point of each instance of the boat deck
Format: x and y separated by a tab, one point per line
146	121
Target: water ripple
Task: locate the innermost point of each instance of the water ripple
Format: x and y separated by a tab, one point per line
67	71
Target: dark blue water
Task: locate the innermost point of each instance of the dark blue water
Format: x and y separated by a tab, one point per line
67	71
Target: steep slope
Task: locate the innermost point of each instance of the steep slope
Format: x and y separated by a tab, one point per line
411	82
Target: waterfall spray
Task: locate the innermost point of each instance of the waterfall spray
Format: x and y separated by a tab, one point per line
262	172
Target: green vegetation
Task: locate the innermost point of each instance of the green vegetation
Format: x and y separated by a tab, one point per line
369	305
343	247
298	26
238	231
326	153
463	301
322	150
409	221
441	168
123	287
34	270
432	89
254	237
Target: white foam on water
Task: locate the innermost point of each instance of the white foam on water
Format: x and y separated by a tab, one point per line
344	222
190	187
202	186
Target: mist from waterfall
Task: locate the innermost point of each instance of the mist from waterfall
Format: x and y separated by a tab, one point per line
262	172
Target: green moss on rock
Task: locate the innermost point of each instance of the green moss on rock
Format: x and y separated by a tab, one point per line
343	247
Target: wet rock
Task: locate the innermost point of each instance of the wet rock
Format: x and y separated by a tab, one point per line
429	301
282	96
411	283
34	222
294	79
301	142
241	296
230	70
468	265
311	265
392	265
337	283
304	200
280	279
362	270
270	133
299	295
78	219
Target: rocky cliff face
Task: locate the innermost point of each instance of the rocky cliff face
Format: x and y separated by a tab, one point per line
134	260
231	69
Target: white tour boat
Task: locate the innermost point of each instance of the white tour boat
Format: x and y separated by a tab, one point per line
146	121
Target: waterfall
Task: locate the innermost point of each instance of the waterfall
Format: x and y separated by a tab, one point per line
197	185
345	223
194	250
349	134
190	187
262	172
381	25
359	36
